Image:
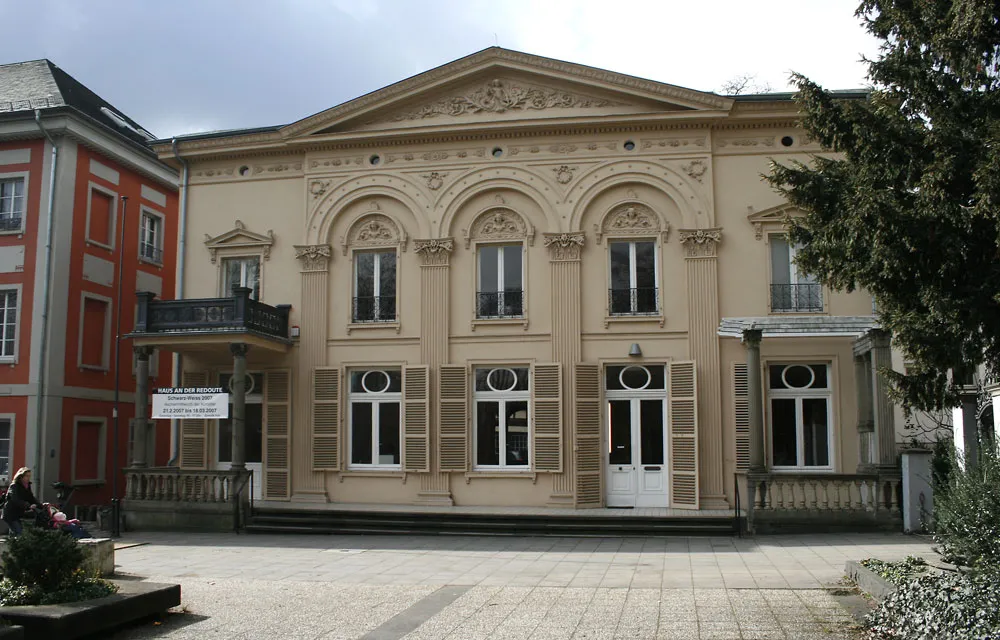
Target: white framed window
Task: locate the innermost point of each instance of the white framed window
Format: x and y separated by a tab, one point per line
501	281
12	203
6	439
8	324
241	272
375	396
151	237
502	430
102	208
634	278
792	290
800	417
374	286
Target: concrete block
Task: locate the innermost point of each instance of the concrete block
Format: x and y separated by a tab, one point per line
918	489
99	556
868	581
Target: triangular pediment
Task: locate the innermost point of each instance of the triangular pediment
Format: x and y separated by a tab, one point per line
239	237
497	86
776	217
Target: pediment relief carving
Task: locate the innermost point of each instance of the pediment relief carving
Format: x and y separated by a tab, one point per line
239	237
774	217
498	225
632	219
374	230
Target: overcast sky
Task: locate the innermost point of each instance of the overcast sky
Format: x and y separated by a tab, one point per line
181	66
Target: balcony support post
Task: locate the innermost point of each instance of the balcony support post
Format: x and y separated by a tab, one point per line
140	423
239	384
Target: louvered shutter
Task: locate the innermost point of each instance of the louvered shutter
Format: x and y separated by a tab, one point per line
741	415
416	397
326	419
683	415
277	422
546	416
587	414
194	432
453	417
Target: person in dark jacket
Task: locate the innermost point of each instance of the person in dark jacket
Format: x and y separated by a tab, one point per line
19	500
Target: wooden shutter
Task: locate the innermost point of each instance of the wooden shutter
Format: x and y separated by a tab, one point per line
741	415
416	397
453	417
546	417
326	419
683	415
194	432
277	422
587	410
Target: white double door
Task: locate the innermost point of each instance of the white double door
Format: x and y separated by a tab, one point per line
637	447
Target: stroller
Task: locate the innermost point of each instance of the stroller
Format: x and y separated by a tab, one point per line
50	517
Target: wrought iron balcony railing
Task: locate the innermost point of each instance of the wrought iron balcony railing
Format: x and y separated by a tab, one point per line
641	301
500	304
10	223
374	309
797	297
151	252
239	313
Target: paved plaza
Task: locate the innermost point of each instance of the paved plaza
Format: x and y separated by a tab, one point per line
463	588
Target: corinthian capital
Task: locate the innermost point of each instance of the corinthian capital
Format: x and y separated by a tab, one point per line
700	243
434	251
564	246
314	257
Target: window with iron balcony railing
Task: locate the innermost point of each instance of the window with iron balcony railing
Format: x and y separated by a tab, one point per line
500	304
802	297
374	309
640	301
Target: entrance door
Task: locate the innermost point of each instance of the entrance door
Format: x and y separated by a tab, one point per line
636	429
254	430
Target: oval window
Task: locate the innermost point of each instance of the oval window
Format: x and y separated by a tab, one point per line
797	376
501	380
635	378
375	381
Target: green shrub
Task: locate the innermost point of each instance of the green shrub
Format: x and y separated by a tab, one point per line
967	514
940	606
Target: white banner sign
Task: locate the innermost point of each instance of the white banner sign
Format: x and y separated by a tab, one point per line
190	402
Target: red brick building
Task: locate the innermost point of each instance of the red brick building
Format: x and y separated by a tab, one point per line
68	162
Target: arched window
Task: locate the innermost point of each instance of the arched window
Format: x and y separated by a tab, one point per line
375	241
499	235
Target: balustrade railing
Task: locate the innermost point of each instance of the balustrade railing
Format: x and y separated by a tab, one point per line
182	485
374	309
797	297
500	304
642	301
236	313
774	494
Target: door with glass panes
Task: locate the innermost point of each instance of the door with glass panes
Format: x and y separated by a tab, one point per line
636	423
253	429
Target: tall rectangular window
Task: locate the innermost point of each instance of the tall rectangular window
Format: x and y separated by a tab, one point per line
791	289
94	334
11	204
501	282
241	272
8	323
374	286
101	217
634	278
151	237
375	397
502	426
800	403
6	429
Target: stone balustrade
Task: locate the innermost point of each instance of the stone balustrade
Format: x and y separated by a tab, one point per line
170	484
171	498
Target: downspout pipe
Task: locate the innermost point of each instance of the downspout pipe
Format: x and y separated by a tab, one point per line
175	432
38	462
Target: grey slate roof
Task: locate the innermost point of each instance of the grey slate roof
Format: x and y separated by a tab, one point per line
805	326
40	84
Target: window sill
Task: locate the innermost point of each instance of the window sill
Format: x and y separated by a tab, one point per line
365	326
92	367
358	472
150	261
521	321
8	360
498	473
13	232
657	318
95	243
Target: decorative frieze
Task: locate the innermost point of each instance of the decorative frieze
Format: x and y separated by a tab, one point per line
674	143
700	243
374	230
564	173
564	246
499	225
434	251
632	219
313	257
760	141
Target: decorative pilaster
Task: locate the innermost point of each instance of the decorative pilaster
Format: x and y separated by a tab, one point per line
866	423
755	393
141	423
883	410
314	260
238	386
434	254
700	250
564	258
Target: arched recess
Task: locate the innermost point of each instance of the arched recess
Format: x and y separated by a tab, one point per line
696	212
465	188
498	223
373	230
323	219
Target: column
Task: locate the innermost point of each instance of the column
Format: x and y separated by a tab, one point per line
314	262
238	419
435	290
965	425
755	394
700	250
883	410
866	422
140	423
564	258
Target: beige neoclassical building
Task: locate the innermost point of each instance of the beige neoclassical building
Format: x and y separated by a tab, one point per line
512	280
